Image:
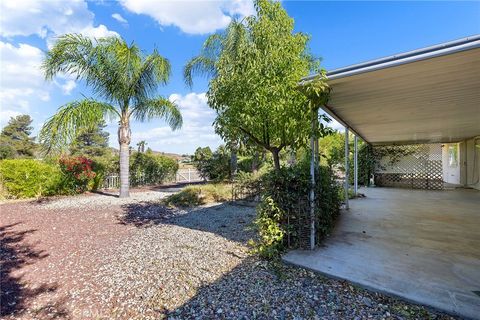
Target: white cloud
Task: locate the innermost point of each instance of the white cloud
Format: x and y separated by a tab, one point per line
119	18
48	18
242	8
194	16
98	32
5	116
68	86
21	79
197	127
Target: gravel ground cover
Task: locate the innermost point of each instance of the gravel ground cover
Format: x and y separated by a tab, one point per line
100	257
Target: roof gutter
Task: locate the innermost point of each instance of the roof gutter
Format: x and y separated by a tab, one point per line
442	49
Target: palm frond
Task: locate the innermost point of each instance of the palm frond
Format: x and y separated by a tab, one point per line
213	45
198	66
159	108
154	70
227	44
90	60
63	127
72	53
236	37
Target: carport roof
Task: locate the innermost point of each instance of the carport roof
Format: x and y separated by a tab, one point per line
423	96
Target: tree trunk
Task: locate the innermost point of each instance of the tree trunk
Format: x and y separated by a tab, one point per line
255	162
124	135
292	158
276	158
233	164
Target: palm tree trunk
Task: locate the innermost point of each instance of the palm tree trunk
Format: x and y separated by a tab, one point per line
124	135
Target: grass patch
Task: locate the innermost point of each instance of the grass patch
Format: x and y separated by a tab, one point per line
192	196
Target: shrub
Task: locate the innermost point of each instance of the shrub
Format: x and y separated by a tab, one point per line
270	229
26	178
246	163
283	214
192	196
77	173
100	171
149	168
213	166
216	192
247	185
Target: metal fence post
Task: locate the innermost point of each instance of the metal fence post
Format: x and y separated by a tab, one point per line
313	161
347	169
355	165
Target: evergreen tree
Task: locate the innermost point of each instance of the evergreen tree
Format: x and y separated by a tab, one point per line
91	142
15	140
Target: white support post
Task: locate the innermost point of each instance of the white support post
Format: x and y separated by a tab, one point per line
347	169
355	165
312	181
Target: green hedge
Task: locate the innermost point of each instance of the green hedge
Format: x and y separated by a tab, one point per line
149	168
27	178
284	209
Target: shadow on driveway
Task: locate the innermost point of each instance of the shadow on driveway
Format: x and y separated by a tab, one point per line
15	254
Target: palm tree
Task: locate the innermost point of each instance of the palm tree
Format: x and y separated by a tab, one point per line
124	83
225	45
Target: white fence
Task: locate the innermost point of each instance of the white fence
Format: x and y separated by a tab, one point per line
111	182
187	175
182	176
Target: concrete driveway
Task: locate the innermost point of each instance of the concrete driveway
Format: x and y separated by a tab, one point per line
423	246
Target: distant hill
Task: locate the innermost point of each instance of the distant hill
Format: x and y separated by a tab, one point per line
170	155
166	154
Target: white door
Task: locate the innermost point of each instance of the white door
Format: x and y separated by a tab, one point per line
451	163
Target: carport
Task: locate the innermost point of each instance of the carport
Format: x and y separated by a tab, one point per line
421	245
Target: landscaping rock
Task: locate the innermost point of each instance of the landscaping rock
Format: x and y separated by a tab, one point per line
102	257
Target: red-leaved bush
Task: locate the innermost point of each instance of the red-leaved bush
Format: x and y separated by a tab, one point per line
77	171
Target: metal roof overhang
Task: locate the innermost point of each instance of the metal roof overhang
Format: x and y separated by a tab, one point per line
423	96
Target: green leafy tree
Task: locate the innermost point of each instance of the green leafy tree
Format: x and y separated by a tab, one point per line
333	154
213	165
226	43
124	83
201	160
91	142
15	140
332	148
256	66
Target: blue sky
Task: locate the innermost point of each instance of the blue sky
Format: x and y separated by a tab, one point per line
342	33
